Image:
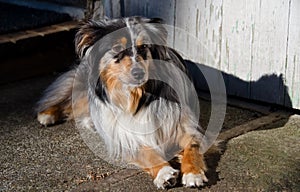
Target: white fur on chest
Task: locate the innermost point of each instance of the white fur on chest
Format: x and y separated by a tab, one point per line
154	126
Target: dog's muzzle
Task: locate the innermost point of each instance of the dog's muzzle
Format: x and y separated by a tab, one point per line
137	73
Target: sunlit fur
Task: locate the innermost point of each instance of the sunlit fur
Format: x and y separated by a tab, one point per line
137	115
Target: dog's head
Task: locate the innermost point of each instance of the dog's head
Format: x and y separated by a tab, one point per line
126	48
125	54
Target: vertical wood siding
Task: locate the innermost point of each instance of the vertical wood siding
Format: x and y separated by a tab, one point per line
255	43
269	49
292	74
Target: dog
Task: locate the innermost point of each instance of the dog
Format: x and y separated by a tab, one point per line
132	89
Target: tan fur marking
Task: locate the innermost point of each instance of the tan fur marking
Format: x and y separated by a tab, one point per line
127	62
111	75
192	160
140	59
123	41
185	140
153	171
81	107
51	111
149	160
135	96
55	111
84	41
139	41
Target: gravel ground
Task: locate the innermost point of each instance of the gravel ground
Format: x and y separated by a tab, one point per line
17	18
35	158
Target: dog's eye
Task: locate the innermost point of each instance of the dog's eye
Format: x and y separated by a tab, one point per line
117	48
144	46
143	49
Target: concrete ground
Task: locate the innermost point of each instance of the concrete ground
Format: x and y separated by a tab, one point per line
35	158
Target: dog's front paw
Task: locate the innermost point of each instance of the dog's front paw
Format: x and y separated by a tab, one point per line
46	119
193	180
166	177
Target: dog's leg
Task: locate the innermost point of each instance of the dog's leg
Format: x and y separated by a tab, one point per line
192	163
56	104
163	174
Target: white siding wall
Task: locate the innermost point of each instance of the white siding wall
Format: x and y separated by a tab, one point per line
255	43
292	74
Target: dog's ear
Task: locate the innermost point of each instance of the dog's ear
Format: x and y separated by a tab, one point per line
158	37
156	30
89	33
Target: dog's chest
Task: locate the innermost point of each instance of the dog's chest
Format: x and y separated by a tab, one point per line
151	126
147	121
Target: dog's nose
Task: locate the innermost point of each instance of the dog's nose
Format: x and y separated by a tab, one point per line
137	73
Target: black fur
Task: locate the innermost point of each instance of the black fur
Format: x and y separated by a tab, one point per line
155	90
100	91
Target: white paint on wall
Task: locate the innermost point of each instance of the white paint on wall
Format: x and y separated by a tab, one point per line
256	43
292	75
200	34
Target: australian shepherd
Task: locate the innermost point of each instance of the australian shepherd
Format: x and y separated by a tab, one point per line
134	91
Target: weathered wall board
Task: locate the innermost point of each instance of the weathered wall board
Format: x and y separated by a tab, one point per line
237	41
269	50
293	56
255	44
201	24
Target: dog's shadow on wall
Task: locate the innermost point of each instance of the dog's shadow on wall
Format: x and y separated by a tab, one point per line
269	89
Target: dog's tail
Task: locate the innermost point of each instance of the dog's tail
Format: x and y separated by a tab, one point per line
56	103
